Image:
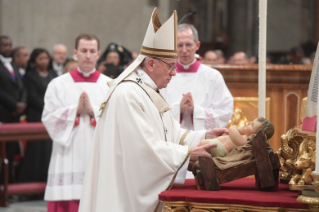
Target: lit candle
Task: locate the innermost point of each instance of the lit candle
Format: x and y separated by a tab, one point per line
262	58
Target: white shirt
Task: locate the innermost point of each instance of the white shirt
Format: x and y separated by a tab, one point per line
7	63
58	68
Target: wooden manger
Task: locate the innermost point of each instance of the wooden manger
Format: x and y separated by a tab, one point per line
264	165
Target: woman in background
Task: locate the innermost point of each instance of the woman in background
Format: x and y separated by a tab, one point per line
112	61
70	65
39	73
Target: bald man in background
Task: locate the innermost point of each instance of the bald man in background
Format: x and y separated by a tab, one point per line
210	58
239	58
59	56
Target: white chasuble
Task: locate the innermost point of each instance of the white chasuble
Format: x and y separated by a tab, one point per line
72	135
213	103
136	153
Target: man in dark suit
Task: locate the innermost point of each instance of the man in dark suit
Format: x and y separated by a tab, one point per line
12	93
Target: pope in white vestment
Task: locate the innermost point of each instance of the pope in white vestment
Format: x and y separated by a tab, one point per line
136	151
72	135
139	149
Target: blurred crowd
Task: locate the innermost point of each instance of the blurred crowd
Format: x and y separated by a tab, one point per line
296	55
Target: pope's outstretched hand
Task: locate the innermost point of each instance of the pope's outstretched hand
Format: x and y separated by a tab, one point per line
214	133
200	151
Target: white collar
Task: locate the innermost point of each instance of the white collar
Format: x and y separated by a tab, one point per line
5	59
187	66
86	74
146	79
56	65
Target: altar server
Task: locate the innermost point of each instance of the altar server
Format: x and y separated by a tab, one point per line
71	108
139	149
198	95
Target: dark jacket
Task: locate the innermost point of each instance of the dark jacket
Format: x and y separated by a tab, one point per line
11	92
36	87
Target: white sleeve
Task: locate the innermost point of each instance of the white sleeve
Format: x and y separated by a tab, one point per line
219	110
58	118
192	138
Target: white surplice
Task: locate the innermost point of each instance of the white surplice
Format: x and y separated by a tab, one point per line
136	152
72	136
213	103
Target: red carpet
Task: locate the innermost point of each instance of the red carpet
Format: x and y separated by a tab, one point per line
242	192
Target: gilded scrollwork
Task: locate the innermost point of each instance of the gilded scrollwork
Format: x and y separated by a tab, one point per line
213	207
238	119
180	209
288	154
201	210
305	162
175	208
297	158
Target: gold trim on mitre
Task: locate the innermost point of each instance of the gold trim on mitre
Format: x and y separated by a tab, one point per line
152	52
161	39
156	21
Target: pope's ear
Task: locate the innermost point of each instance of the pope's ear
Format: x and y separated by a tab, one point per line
150	64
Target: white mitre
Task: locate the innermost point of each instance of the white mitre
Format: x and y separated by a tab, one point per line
160	41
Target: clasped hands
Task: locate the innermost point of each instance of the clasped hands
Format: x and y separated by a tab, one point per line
205	149
187	103
84	105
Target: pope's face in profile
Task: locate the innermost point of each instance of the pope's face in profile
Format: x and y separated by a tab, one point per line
87	54
164	70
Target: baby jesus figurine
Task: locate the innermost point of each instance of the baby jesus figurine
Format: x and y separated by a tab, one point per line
238	136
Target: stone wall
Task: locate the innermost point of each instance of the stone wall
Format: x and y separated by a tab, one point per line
43	23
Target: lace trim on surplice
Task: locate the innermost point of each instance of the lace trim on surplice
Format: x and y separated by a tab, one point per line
61	179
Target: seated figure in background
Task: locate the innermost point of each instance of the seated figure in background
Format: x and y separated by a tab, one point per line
112	61
210	58
238	136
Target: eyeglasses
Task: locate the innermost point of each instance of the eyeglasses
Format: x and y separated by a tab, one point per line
171	67
187	45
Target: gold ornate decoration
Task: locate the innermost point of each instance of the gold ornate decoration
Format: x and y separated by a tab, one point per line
180	209
239	119
175	207
288	154
306	162
313	202
246	110
201	210
183	137
213	207
315	183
